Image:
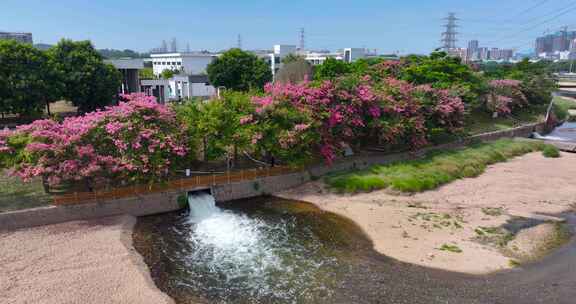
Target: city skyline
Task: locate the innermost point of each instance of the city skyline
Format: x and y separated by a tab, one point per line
408	27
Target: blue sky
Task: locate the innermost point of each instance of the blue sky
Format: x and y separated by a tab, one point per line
407	26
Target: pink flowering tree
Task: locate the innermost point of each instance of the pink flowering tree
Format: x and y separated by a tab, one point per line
136	141
505	95
308	119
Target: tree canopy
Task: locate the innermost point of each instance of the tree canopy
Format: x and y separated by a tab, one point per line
239	70
88	82
26	79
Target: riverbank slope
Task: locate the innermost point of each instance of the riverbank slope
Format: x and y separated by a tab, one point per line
468	225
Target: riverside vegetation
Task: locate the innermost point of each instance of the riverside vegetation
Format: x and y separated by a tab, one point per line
435	169
406	104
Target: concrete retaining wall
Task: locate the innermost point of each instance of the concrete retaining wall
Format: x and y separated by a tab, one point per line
523	131
166	202
261	186
144	205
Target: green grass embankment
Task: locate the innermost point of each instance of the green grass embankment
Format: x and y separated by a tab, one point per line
435	169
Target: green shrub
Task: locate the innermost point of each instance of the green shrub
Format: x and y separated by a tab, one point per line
436	169
550	151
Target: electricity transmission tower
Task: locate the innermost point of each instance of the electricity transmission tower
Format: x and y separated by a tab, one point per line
239	43
449	36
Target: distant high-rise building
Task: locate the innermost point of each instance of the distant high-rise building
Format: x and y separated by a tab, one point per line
472	52
555	43
20	37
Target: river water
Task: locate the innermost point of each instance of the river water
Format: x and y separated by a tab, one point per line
271	250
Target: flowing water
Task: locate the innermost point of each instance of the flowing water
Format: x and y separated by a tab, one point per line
270	250
275	253
564	132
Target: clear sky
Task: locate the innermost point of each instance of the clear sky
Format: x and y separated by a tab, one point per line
407	26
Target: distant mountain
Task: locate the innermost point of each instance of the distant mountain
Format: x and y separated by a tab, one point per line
43	46
106	53
115	54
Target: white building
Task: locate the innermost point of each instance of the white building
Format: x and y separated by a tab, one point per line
189	63
280	51
278	54
129	67
178	87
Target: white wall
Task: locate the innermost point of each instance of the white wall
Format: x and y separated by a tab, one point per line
202	90
193	64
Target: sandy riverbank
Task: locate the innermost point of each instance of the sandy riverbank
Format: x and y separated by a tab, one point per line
77	262
463	215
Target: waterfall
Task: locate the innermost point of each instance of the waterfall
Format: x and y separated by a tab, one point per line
202	206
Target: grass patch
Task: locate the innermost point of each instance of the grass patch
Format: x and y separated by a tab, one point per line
550	151
561	107
493	211
16	195
450	248
493	235
435	169
481	122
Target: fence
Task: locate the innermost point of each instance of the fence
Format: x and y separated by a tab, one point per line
174	185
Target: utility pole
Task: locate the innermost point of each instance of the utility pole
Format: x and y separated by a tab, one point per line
449	36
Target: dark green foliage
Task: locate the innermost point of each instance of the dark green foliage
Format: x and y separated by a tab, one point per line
115	54
292	58
216	125
146	73
331	69
436	169
87	81
538	82
167	74
27	81
445	72
239	70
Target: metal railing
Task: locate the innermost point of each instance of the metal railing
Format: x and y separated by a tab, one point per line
173	185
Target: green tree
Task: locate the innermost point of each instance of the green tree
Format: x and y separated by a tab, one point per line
167	74
362	65
538	82
331	68
292	58
146	73
88	82
217	125
445	72
239	70
26	79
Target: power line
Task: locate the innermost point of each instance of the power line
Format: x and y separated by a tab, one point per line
535	6
562	13
525	23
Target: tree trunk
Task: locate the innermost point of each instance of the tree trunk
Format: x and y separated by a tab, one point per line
45	184
48	108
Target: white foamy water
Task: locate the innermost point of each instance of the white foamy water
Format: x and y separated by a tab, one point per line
247	253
